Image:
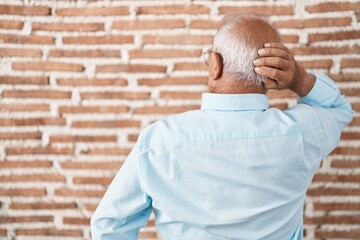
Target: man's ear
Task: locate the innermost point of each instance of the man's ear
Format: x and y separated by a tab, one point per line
216	66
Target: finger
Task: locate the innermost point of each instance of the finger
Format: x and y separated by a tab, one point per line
270	83
275	62
276	45
274	52
273	73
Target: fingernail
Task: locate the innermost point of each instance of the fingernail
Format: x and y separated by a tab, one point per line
256	69
256	62
261	51
267	45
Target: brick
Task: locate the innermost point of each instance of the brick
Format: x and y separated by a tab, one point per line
49	232
106	124
313	22
93	109
11	38
350	62
107	151
266	10
174	9
14	52
346	151
345	77
332	7
3	232
10	24
350	92
103	165
343	234
38	150
178	39
69	27
26	164
132	137
14	107
115	95
98	53
67	192
173	81
323	177
93	180
165	109
25	219
332	191
76	221
19	136
51	94
130	68
14	80
24	192
327	63
82	138
45	121
43	205
190	66
147	234
93	11
304	50
24	10
90	207
357	16
355	121
99	40
334	36
92	82
51	177
204	24
290	38
350	135
163	53
339	219
180	95
47	66
148	24
331	206
345	164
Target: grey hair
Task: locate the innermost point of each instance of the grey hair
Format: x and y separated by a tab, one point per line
237	49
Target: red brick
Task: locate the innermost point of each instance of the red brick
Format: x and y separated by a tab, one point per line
14	107
107	151
334	36
332	7
78	27
357	16
163	53
99	40
67	192
92	82
266	10
332	191
49	232
24	10
14	52
25	219
345	77
335	206
43	205
90	207
82	138
98	53
204	24
350	92
47	66
93	109
346	150
148	24
350	62
313	22
350	135
106	124
174	9
178	39
173	81
10	24
132	137
339	219
38	150
91	165
46	121
130	68
51	177
19	136
115	95
180	95
345	164
147	234
93	180
165	109
93	11
76	221
25	192
26	164
24	80
10	38
326	63
303	50
190	66
3	232
290	38
52	94
329	234
323	177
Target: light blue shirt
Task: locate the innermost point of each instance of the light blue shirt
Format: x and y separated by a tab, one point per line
235	169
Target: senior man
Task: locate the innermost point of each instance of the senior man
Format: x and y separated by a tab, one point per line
235	169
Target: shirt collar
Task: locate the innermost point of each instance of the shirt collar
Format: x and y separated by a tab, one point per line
233	102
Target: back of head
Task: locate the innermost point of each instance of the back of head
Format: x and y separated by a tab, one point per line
239	37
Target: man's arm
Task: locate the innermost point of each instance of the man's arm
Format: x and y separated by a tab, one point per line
125	208
280	70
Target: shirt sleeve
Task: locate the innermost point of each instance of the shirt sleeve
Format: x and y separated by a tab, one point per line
125	208
331	108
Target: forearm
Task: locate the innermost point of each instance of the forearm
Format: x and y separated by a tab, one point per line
304	83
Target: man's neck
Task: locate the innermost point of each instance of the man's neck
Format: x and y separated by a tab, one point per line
230	86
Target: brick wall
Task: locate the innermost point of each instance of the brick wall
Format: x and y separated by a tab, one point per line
79	79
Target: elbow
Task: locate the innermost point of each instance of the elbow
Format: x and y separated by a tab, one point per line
95	228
